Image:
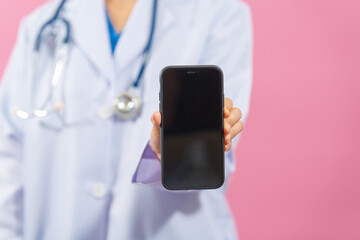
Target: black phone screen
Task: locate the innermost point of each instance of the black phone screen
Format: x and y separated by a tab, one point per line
192	147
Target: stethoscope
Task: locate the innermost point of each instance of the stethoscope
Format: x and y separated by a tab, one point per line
126	106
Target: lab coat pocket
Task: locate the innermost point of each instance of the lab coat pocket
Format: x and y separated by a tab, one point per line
78	107
78	112
74	110
70	116
54	122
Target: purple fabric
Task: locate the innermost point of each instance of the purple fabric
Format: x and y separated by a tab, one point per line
148	170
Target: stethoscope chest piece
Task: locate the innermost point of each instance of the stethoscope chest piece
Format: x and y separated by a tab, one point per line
127	105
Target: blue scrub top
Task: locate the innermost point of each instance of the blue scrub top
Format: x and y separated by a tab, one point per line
114	35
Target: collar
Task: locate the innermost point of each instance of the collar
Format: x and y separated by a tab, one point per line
90	32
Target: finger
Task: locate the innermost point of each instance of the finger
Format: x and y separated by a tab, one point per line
228	103
236	129
227	147
235	116
156	119
227	139
155	134
226	112
227	127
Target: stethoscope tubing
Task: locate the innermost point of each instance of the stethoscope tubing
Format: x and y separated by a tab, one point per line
51	21
148	45
132	100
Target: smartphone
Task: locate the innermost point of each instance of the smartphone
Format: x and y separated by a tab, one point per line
192	135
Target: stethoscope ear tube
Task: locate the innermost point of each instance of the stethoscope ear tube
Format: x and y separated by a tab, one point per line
48	106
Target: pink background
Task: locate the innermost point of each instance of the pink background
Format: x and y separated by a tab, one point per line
299	159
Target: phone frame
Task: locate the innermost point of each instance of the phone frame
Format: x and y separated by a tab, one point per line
189	68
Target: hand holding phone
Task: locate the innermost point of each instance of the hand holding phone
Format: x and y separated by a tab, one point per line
191	156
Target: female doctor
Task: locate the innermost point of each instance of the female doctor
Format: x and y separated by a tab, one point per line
76	161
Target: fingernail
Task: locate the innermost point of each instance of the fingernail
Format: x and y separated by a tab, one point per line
228	126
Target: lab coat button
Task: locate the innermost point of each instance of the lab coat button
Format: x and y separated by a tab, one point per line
105	112
98	190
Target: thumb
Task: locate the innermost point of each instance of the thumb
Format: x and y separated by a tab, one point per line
155	134
156	119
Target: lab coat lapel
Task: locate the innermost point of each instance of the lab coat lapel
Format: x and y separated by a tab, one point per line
136	32
90	33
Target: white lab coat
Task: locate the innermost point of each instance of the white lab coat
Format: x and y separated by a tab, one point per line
68	176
